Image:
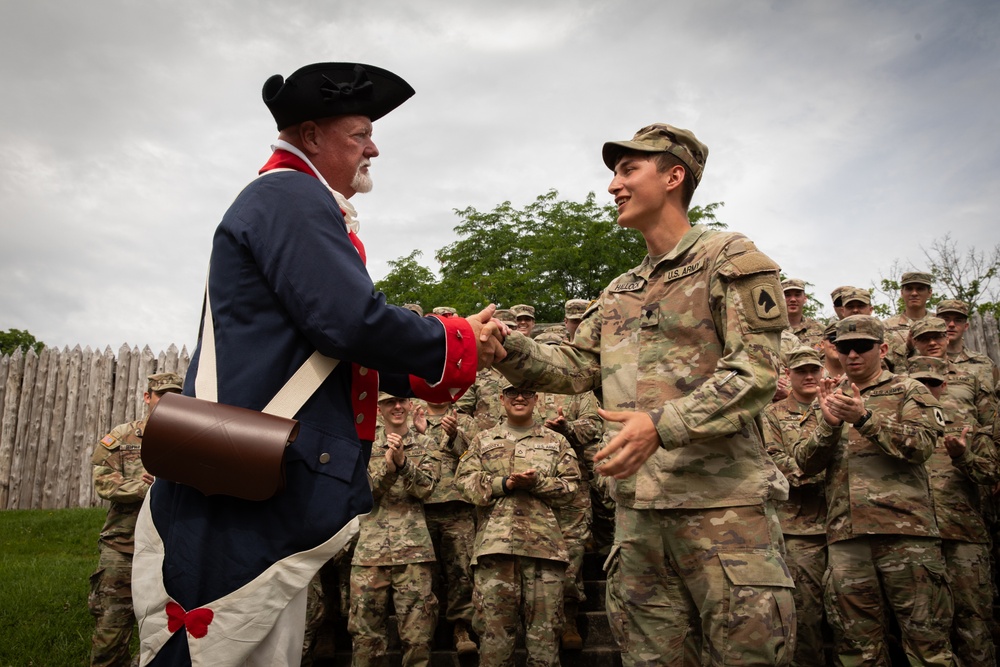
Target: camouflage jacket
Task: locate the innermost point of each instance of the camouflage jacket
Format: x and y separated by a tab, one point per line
804	513
482	401
876	482
118	477
954	481
395	531
978	363
448	450
584	426
520	522
690	338
810	332
897	334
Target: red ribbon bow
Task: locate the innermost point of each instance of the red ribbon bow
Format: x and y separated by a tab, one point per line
196	621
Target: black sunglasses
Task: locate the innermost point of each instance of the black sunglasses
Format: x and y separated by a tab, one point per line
510	393
860	346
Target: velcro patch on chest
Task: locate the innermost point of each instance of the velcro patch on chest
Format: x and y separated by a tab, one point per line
547	446
491	446
628	285
684	271
887	392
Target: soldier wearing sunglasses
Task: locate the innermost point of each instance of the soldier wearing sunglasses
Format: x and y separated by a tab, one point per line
872	433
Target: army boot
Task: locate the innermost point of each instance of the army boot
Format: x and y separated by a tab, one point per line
571	639
463	643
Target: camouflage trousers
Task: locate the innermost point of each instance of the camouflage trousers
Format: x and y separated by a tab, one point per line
805	556
110	603
868	576
412	587
452	526
970	580
574	521
700	587
509	586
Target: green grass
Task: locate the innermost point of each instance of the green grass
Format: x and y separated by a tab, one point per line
46	559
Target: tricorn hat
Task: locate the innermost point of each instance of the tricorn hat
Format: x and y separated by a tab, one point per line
322	90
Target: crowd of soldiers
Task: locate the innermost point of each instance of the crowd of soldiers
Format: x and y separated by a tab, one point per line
886	432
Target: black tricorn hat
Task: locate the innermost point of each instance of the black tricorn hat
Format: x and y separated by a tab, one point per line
322	90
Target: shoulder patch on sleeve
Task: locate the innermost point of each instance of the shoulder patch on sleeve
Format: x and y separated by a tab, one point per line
110	441
939	417
747	264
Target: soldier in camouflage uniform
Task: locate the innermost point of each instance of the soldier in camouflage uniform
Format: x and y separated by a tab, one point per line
872	433
516	474
915	288
482	402
120	478
573	312
450	521
806	329
856	301
684	350
803	515
831	360
837	297
576	419
394	550
963	459
956	314
524	316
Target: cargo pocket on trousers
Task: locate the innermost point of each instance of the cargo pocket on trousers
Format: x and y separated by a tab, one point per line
95	601
761	610
616	598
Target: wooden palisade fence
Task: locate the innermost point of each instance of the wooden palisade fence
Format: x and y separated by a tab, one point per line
55	406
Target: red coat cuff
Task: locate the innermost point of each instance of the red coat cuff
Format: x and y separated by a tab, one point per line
460	364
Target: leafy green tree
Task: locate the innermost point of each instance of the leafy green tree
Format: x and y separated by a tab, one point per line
13	339
543	254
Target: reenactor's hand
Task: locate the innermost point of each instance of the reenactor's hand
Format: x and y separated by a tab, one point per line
956	445
635	443
148	479
490	334
559	424
420	420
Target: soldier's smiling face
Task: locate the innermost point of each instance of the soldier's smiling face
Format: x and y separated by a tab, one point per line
794	299
395	410
520	408
640	191
931	344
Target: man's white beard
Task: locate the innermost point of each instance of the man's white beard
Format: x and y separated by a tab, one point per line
362	182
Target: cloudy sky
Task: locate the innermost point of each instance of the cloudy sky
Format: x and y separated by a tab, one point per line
843	135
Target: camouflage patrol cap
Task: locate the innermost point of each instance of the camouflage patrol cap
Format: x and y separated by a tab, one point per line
803	356
928	324
662	138
575	308
838	293
856	294
161	382
415	307
860	327
830	332
952	306
927	368
916	278
549	337
793	283
445	311
384	396
523	310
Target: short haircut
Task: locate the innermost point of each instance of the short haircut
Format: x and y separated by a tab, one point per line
665	161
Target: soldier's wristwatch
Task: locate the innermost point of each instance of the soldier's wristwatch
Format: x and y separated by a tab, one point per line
864	420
